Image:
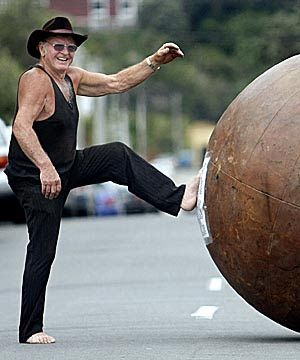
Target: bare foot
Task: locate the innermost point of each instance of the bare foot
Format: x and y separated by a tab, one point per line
189	199
40	338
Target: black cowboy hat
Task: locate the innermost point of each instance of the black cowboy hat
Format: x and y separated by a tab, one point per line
57	26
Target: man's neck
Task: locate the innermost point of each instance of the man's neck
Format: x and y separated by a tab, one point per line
56	74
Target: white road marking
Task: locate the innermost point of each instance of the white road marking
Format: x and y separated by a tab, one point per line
205	312
215	284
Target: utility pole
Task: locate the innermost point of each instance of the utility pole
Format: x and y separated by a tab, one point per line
100	123
125	132
94	107
176	122
114	132
141	123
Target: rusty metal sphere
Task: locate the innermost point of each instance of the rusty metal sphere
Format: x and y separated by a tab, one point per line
252	194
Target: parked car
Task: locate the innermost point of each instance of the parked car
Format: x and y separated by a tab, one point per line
109	199
80	202
105	199
134	205
10	209
185	158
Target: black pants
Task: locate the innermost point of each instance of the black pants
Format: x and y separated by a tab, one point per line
111	162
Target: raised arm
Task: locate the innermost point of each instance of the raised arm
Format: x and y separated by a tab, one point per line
32	102
96	84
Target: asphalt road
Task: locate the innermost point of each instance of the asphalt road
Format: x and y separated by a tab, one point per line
137	287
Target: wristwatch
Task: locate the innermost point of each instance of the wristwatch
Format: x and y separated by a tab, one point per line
152	66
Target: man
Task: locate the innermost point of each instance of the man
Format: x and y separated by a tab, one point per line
44	164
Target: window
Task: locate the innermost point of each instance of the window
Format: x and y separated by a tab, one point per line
128	12
99	13
98	4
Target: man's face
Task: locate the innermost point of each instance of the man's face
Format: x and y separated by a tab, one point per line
57	56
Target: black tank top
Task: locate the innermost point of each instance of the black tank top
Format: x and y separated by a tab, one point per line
57	136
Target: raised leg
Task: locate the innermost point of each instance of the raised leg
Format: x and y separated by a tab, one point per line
118	163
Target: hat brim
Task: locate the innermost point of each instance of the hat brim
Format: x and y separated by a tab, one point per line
39	35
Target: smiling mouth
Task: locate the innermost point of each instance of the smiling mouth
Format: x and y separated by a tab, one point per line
62	59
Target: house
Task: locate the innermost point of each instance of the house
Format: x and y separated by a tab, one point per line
96	14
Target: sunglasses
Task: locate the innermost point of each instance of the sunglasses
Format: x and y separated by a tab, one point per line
60	47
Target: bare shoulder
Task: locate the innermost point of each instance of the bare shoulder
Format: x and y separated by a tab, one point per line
34	82
34	96
35	75
75	71
76	74
89	83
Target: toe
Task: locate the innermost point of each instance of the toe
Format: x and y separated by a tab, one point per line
40	338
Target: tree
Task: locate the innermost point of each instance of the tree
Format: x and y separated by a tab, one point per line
227	44
165	17
18	19
9	73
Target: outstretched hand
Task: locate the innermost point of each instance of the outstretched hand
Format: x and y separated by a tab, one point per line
167	53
